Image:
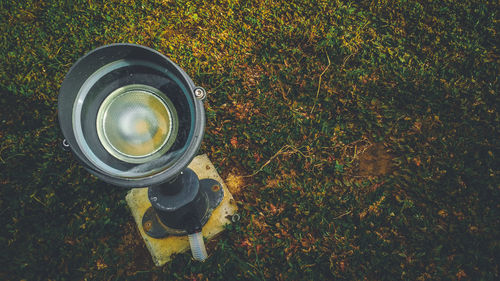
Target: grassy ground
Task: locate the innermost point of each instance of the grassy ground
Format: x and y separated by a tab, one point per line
364	136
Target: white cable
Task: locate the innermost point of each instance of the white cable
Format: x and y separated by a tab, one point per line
198	246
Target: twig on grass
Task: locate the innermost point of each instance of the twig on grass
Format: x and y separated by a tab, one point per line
344	214
283	150
319	82
268	161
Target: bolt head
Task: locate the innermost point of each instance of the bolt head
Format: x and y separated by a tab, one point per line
200	93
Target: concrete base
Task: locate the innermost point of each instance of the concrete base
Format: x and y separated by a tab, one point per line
162	249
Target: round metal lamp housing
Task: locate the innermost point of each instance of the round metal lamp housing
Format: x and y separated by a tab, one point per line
130	115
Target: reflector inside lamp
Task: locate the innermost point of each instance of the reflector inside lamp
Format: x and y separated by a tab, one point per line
137	123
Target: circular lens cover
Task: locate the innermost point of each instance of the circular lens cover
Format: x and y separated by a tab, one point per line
137	123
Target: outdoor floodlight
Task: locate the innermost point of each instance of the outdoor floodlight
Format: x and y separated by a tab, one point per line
133	118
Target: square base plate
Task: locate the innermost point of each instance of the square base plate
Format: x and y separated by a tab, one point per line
162	249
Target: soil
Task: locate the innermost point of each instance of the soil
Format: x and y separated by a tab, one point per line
375	161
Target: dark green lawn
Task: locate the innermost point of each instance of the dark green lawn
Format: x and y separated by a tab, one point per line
380	120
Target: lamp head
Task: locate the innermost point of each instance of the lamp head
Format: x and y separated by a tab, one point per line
130	115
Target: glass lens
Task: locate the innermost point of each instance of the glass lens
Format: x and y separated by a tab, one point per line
137	123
